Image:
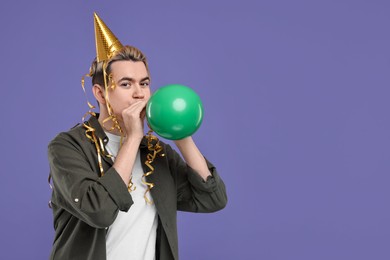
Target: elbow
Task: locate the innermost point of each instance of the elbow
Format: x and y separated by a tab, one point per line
215	203
219	203
99	212
98	215
222	203
220	199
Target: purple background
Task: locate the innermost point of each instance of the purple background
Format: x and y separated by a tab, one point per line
296	96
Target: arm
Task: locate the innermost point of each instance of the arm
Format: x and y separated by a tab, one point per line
193	156
79	189
200	189
133	127
77	185
124	162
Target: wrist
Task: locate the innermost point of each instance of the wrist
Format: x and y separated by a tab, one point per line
132	139
183	141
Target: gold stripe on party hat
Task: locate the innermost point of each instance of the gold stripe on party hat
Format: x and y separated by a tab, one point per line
106	41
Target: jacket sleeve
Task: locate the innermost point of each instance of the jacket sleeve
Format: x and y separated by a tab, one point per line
193	193
79	190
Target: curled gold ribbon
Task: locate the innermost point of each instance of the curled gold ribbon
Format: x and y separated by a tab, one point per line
90	131
111	116
91	107
131	187
154	150
90	134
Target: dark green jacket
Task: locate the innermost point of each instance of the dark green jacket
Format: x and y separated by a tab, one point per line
84	204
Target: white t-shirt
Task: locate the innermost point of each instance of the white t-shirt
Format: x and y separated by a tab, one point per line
133	233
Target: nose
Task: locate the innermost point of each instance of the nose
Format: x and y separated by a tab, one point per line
138	92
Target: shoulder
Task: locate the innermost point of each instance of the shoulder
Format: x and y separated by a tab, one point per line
74	136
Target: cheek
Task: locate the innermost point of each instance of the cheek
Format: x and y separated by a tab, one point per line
117	103
147	93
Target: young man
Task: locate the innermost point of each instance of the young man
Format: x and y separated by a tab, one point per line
115	191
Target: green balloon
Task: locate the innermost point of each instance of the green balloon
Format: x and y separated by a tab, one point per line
174	112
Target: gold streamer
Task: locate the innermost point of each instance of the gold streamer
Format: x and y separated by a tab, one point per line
90	131
154	150
111	116
106	46
131	187
91	107
90	134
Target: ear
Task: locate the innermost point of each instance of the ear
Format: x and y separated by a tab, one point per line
98	92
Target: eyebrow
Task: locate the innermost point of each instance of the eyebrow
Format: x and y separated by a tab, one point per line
132	80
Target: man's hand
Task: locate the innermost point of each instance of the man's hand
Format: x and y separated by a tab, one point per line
133	124
133	120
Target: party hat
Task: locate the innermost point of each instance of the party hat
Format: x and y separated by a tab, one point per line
106	41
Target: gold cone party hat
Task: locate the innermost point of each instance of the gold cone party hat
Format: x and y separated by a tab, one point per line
106	41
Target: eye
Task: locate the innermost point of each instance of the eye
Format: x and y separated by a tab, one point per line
125	84
145	84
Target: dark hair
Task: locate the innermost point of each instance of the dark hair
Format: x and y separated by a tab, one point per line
126	53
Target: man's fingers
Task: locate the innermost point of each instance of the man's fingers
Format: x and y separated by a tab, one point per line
135	109
143	113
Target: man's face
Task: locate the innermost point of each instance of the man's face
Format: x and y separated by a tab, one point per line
131	81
